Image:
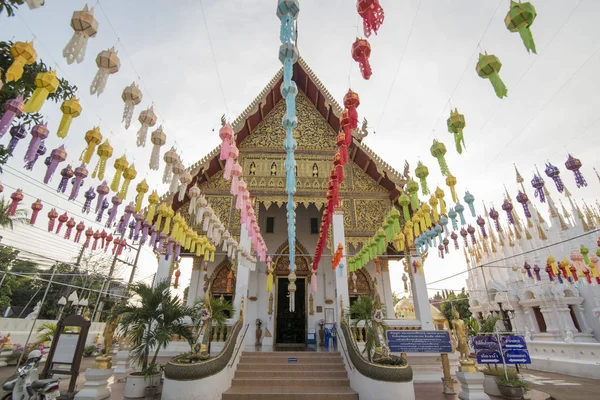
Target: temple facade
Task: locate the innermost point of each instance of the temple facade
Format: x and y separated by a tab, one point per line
370	188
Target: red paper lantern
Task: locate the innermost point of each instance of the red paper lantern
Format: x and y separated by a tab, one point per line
36	207
343	148
372	15
351	102
361	51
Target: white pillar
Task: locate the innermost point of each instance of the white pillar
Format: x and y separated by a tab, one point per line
341	282
194	280
242	276
164	267
96	385
386	285
421	297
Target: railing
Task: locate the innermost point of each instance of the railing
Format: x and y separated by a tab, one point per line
187	368
387	373
342	345
239	346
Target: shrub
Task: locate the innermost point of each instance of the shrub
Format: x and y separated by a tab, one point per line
89	351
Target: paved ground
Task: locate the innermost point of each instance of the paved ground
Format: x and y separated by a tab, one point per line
559	387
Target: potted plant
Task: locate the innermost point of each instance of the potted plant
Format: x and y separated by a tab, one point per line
150	324
365	310
485	328
512	388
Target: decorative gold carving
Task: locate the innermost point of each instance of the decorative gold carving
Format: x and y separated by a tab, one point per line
363	286
270	312
363	183
216	182
311	308
370	213
222	207
282	262
218	279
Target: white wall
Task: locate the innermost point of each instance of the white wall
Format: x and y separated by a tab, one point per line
19	330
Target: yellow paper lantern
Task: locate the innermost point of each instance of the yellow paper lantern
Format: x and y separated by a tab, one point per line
93	137
141	189
120	165
45	83
23	54
105	152
451	183
129	174
153	200
70	109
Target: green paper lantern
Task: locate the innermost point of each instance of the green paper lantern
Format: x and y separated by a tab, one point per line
438	150
413	189
404	201
488	67
520	17
381	241
422	172
456	124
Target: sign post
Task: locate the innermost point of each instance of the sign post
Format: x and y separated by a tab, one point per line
501	349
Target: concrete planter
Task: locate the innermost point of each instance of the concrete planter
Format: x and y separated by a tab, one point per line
490	387
136	384
511	392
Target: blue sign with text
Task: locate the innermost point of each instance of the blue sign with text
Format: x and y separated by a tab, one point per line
512	342
488	357
517	356
485	343
419	341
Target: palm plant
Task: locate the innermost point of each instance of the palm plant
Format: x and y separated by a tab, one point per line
45	333
363	310
151	324
6	221
220	310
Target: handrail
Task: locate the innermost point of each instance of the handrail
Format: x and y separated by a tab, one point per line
241	344
346	353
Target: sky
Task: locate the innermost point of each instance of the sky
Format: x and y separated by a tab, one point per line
197	60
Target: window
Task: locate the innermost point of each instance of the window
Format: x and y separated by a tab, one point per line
574	318
314	225
270	224
539	317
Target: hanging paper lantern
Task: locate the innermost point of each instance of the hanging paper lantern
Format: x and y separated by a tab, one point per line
120	165
103	207
413	189
439	194
287	11
66	174
39	153
23	54
454	237
351	102
16	197
153	200
459	208
116	202
433	202
456	124
129	174
88	237
361	51
538	184
78	231
170	158
36	207
488	67
158	139
471	232
45	83
104	152
470	200
93	137
33	4
194	195
481	222
177	169
80	174
185	178
148	119
404	201
422	172
102	191
372	15
17	133
132	96
452	214
38	133
553	173
89	196
451	183
70	225
13	108
523	200
342	148
573	164
108	63
70	109
52	215
520	17
141	189
129	209
85	26
464	233
495	216
438	150
508	207
61	221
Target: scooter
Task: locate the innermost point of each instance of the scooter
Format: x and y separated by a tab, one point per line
28	386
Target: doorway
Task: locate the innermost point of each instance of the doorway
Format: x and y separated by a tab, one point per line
290	327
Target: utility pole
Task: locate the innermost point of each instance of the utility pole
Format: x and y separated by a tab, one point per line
106	285
133	269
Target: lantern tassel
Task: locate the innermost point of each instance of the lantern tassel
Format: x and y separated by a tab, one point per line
499	86
75	49
36	100
155	157
527	38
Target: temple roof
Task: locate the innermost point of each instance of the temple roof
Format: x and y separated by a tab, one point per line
326	105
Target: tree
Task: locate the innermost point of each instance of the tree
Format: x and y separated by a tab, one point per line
10	6
458	302
6	221
362	310
396	298
7	256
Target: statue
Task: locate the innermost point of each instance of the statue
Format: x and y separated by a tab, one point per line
527	334
252	169
87	314
104	361
273	169
97	340
311	309
5	342
362	133
382	353
569	335
242	308
271	304
315	170
36	310
460	334
258	332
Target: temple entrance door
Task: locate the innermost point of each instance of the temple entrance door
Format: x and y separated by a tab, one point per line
291	326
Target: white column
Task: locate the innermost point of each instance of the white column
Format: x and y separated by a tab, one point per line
194	280
242	276
420	297
164	267
386	286
341	282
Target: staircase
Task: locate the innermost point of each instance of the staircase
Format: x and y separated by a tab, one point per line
272	375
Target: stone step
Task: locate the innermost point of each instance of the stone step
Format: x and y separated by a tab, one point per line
317	354
263	372
290	393
279	381
308	366
285	360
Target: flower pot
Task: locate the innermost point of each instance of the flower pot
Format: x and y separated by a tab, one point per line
490	387
136	384
150	392
511	392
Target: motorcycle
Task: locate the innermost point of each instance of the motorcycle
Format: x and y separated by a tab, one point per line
28	386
